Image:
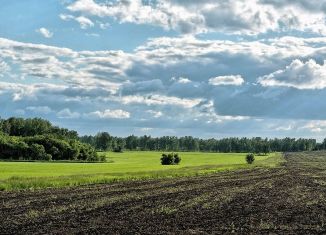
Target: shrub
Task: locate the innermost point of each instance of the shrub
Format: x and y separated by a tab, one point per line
38	152
177	159
118	149
250	158
170	159
166	159
37	140
54	151
101	157
48	157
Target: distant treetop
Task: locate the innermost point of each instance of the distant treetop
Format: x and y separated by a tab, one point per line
33	126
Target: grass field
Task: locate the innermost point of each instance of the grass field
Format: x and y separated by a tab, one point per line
120	166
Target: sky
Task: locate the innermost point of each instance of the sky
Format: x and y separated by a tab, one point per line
208	68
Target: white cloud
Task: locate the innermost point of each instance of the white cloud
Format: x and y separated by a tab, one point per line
184	80
155	114
230	16
140	80
39	109
146	129
110	114
300	75
233	80
104	25
66	17
4	68
88	6
284	128
82	68
67	114
315	126
92	34
206	110
45	32
84	22
160	100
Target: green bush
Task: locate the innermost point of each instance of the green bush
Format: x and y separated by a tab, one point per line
101	157
118	149
45	148
166	159
177	159
170	159
250	158
37	139
37	152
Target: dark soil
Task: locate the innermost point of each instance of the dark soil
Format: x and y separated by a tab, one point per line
290	199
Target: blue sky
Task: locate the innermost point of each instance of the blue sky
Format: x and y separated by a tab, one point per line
175	67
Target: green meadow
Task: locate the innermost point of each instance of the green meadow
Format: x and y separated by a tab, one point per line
122	166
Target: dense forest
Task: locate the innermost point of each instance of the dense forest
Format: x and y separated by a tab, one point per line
104	141
38	139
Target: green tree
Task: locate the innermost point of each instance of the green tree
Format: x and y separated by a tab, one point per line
250	158
38	152
103	141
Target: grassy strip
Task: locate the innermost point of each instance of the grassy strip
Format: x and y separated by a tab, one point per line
25	182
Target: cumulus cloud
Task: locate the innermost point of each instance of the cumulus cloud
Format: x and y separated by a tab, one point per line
179	85
46	62
68	114
45	32
245	17
233	80
300	75
163	83
197	59
110	114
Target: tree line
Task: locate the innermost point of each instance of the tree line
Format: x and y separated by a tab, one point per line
38	139
104	141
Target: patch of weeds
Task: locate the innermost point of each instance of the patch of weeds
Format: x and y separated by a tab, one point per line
32	214
197	200
165	210
264	225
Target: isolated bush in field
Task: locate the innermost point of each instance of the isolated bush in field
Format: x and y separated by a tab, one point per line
166	159
170	159
250	158
177	159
